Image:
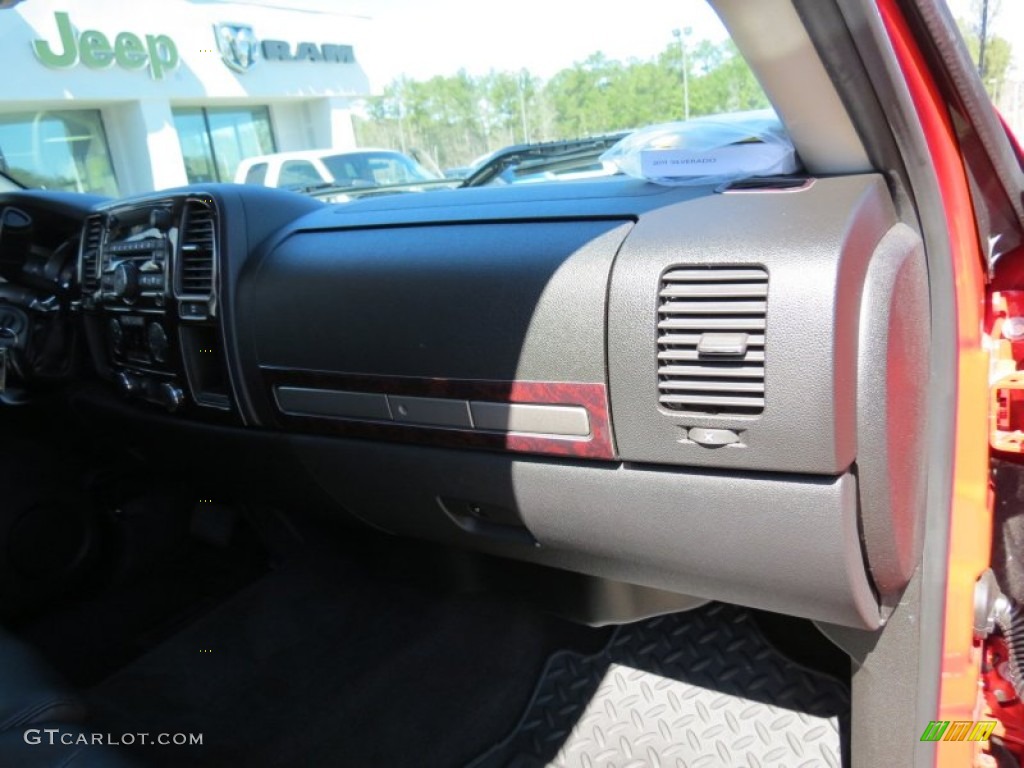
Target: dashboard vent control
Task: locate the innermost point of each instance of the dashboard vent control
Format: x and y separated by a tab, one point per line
92	235
198	250
711	340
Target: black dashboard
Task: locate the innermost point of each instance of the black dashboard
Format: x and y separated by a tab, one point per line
684	388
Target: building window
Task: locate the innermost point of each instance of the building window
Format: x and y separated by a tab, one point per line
61	150
215	140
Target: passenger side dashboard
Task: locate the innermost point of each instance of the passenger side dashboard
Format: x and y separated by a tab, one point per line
718	393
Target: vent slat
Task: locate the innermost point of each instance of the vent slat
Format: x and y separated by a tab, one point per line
692	354
714	290
92	236
707	300
683	307
715	275
198	248
697	385
711	371
693	402
691	339
712	324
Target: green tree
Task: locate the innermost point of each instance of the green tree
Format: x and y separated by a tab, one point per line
456	118
998	57
727	86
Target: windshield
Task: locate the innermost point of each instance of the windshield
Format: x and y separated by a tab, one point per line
8	184
324	96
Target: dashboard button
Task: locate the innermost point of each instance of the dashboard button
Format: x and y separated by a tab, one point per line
568	420
116	334
432	411
193	310
171	396
304	401
126	281
127	384
157	341
711	438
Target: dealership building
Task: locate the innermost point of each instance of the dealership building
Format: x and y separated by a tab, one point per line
120	97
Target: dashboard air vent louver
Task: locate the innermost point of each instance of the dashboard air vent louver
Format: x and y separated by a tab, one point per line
711	340
92	236
198	250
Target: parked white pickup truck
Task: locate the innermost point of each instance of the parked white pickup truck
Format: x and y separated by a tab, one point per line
326	167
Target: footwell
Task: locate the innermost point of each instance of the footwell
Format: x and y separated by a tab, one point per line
697	689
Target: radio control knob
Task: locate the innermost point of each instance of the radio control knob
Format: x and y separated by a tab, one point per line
127	384
161	218
126	281
116	335
158	343
171	396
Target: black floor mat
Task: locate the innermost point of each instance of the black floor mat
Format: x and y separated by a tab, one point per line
90	637
702	688
322	664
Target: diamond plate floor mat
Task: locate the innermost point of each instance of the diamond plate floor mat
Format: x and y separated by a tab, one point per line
691	690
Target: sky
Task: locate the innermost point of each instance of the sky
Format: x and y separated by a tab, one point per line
422	38
543	35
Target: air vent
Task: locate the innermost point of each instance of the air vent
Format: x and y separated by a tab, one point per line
198	249
711	340
92	236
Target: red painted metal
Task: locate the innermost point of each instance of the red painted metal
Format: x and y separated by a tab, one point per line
970	515
1002	700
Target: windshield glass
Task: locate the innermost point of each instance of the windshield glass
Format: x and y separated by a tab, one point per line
326	96
7	184
117	98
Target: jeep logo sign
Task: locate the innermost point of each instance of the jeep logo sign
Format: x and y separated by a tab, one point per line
94	49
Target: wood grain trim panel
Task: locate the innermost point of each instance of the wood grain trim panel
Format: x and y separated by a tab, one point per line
591	396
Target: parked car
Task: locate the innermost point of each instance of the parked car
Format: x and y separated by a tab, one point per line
308	169
544	161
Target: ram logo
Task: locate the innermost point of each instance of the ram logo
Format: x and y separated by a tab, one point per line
237	45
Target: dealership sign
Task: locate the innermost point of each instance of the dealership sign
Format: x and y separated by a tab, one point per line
240	49
236	43
157	53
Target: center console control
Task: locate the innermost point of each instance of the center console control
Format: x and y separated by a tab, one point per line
147	276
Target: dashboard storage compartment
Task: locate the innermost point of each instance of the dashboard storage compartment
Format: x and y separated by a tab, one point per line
204	365
785	543
499	302
481	334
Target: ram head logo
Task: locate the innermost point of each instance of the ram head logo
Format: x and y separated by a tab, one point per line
237	44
